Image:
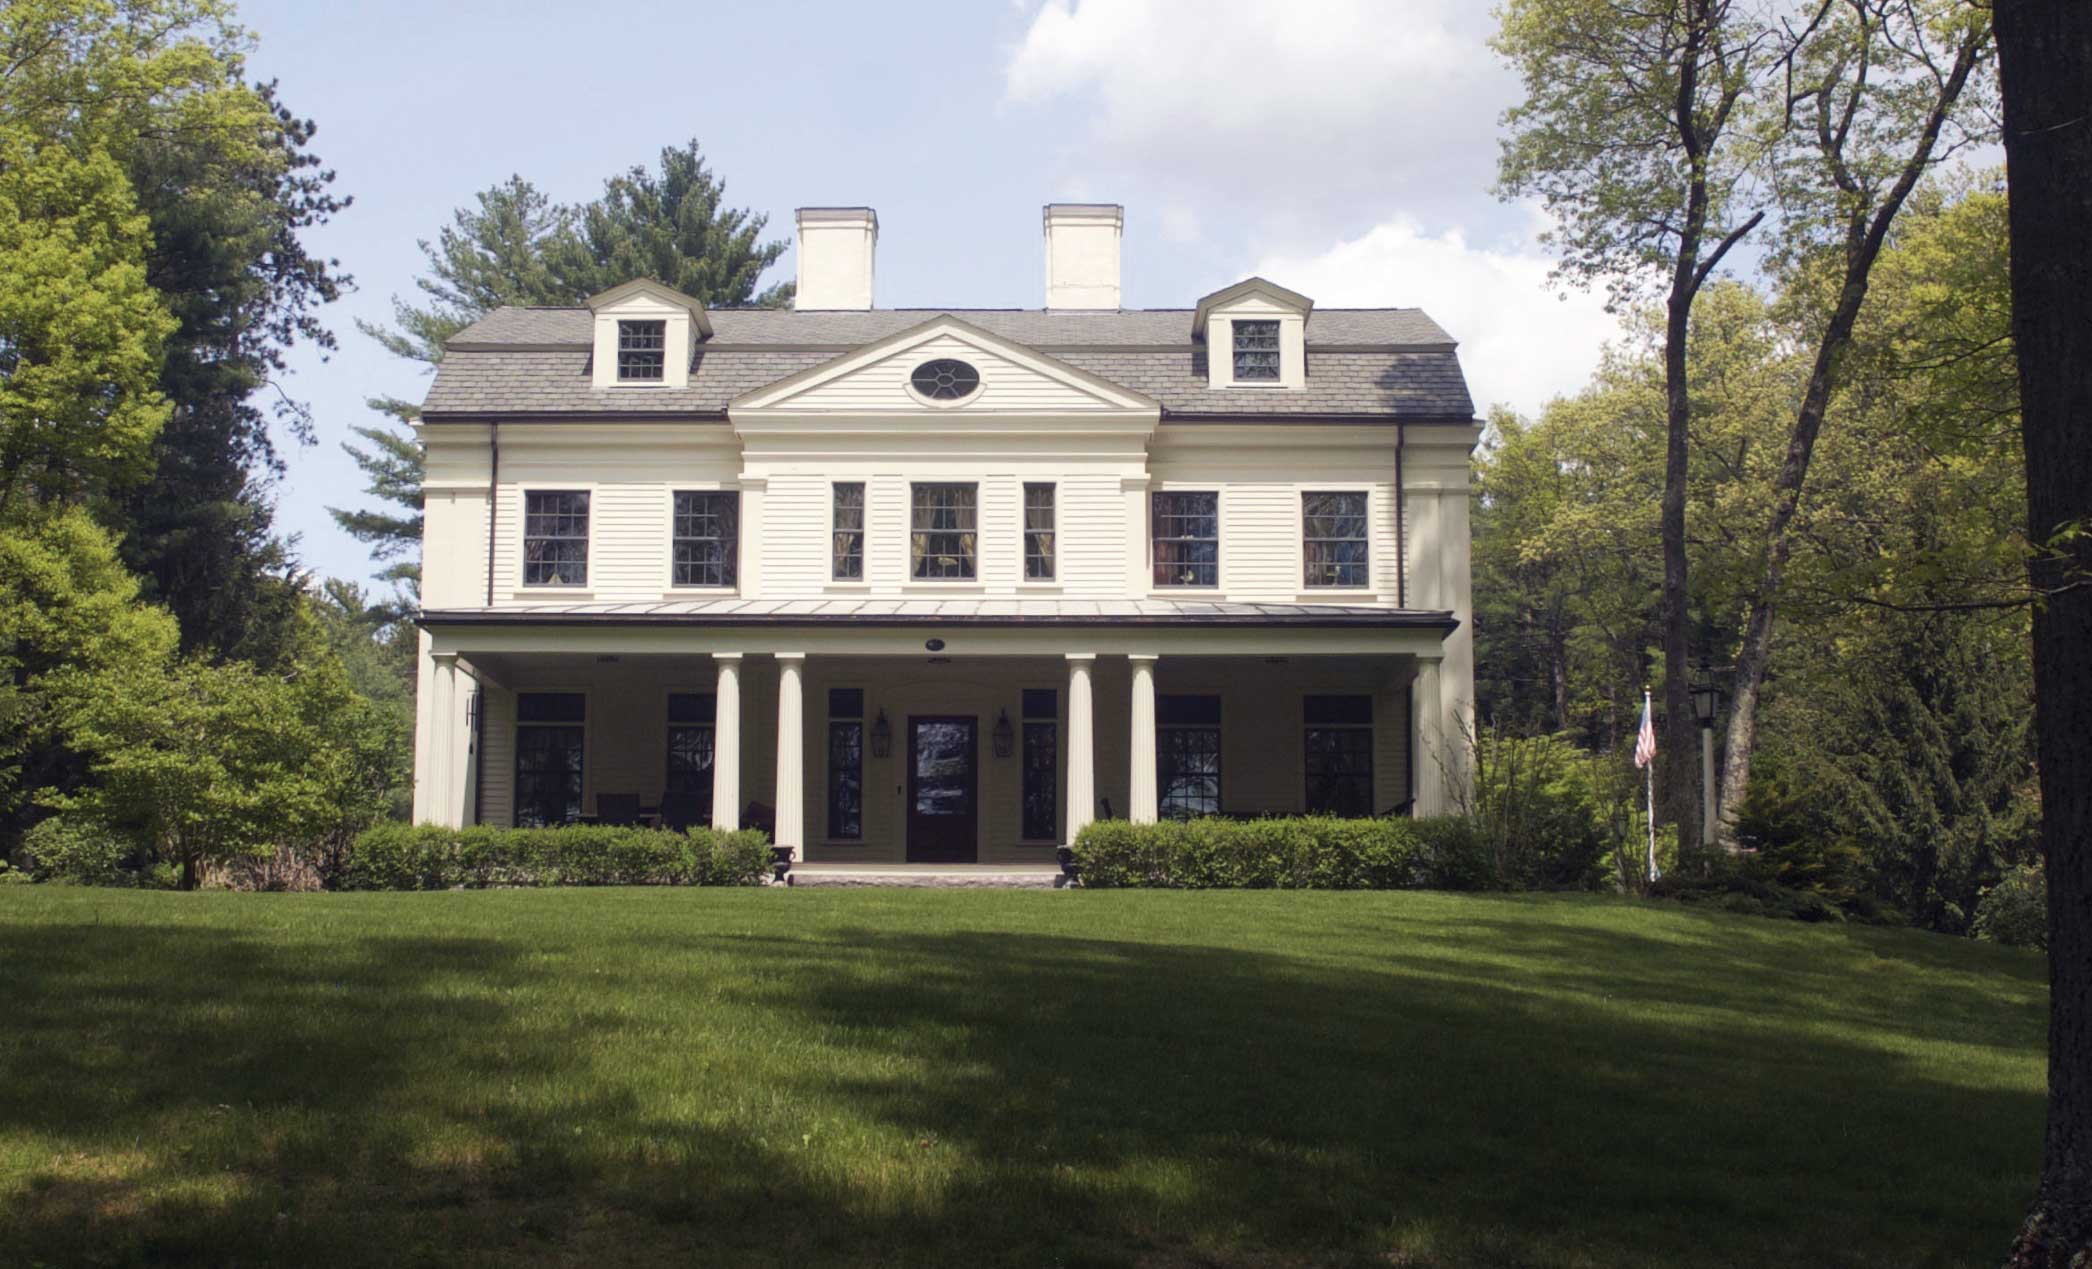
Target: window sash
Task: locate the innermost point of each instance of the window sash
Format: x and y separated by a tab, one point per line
1039	530
642	349
1339	769
1184	529
706	543
550	758
555	538
1187	756
1334	548
944	531
691	749
848	522
1041	807
1256	351
846	779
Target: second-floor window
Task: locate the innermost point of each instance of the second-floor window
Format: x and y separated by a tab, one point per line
943	532
1333	540
707	537
1186	533
642	351
1256	351
555	538
1038	533
849	531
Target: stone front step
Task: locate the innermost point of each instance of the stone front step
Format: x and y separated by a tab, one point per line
922	876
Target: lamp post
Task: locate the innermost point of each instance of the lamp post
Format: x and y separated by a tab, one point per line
1706	703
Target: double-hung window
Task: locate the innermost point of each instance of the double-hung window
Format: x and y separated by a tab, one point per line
690	748
1256	351
642	351
707	538
1041	758
1333	540
845	763
1185	533
943	532
1339	747
1187	756
1039	531
551	737
555	539
848	521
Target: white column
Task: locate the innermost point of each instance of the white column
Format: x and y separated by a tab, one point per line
726	744
1429	730
791	754
444	804
1082	748
1141	800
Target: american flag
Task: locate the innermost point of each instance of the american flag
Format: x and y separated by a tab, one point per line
1645	743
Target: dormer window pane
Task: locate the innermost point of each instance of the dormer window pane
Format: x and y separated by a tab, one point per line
641	350
1256	351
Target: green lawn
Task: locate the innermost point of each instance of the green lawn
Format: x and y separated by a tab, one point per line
922	1078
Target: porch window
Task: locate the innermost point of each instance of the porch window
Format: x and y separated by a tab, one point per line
1333	532
1041	765
707	543
849	531
555	538
1185	528
1187	756
1339	754
1038	533
944	531
691	737
550	739
845	763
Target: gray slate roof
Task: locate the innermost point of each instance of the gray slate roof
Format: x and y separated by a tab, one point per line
1383	363
729	610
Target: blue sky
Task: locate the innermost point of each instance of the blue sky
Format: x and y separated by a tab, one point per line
1341	147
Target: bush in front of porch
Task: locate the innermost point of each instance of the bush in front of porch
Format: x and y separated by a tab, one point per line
425	857
1280	853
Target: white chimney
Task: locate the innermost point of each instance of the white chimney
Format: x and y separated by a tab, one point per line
1082	254
836	245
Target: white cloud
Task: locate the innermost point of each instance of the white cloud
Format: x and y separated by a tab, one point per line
1520	343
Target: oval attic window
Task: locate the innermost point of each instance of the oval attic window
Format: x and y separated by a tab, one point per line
945	379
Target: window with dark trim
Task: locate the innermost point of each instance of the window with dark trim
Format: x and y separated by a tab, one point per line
691	737
1038	533
1187	756
1041	765
846	763
1339	748
1333	540
1256	351
551	739
848	518
943	531
642	351
707	541
1185	535
555	539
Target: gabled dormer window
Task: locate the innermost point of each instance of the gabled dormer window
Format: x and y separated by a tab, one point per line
1256	351
641	351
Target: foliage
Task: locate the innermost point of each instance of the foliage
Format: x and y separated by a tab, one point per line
1541	815
2015	910
1289	853
428	857
79	850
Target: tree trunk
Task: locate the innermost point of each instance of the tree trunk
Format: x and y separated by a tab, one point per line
1677	756
2045	59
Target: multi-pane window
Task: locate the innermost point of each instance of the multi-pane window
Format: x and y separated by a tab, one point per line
943	531
1041	764
642	350
1339	754
690	748
707	539
845	763
1187	756
1038	533
1256	351
1185	528
1333	539
849	531
550	738
555	539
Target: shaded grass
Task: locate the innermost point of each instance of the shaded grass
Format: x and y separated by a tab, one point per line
920	1077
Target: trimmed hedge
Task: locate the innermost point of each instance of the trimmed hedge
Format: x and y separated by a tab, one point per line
1293	853
425	857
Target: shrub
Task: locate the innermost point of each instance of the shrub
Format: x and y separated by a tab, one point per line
1533	818
426	857
79	850
2015	911
1298	853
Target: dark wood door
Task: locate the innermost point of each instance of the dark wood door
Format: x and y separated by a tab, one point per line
943	789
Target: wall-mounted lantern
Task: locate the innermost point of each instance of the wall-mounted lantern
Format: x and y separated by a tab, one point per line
1005	738
882	735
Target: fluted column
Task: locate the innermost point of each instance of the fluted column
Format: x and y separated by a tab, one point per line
443	802
1082	747
1141	800
791	754
1429	729
726	743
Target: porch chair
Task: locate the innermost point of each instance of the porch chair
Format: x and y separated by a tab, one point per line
617	808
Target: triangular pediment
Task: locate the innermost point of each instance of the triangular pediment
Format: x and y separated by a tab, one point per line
647	291
878	379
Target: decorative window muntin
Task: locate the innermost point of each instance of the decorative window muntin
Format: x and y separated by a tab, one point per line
945	379
706	545
1338	738
1041	762
943	531
1039	531
846	763
1185	533
551	747
848	521
555	538
1333	540
642	351
1256	351
692	739
1187	756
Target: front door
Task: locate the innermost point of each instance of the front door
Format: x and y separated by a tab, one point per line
943	781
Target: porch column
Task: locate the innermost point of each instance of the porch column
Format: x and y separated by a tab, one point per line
1428	727
445	806
726	744
791	754
1082	772
1141	798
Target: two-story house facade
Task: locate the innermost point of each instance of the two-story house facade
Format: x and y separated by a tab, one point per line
943	585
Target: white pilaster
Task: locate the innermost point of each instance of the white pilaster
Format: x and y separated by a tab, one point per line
1141	799
1429	729
726	743
1082	747
791	754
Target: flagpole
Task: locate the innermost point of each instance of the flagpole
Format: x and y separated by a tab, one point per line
1650	771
